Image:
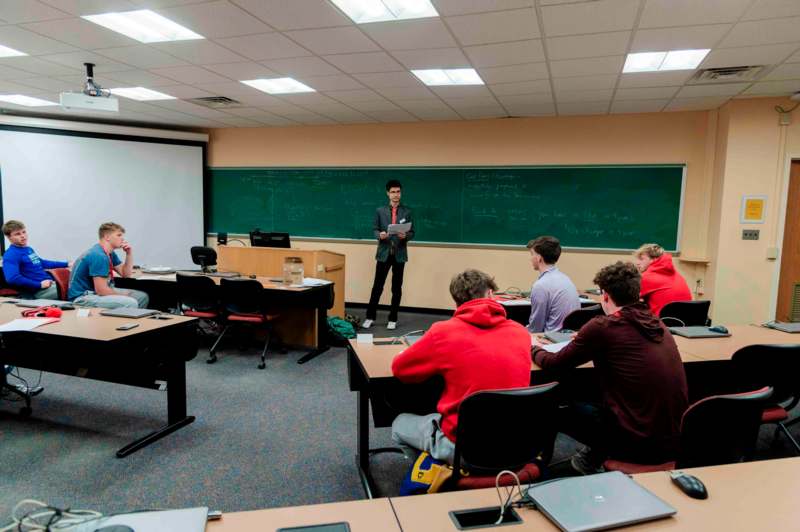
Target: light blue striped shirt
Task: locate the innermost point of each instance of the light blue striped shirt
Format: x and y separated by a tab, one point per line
553	297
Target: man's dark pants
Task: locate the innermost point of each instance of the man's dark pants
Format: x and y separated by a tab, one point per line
381	272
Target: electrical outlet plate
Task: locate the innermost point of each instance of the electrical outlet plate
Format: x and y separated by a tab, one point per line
750	234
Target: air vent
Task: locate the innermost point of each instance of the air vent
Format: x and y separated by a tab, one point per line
216	102
726	74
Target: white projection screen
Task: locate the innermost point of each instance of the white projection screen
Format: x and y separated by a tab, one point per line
63	186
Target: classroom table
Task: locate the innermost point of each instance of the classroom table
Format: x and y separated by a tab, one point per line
723	348
742	497
362	516
152	355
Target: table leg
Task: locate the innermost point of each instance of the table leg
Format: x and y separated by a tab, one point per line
322	337
362	450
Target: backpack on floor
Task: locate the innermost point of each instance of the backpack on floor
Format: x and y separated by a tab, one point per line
427	475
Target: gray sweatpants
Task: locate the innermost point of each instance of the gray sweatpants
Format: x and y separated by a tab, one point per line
422	433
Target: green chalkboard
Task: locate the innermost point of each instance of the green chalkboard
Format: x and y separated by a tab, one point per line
602	207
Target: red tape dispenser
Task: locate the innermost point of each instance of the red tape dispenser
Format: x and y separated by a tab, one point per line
42	312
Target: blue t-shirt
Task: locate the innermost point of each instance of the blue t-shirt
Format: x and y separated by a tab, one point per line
93	263
25	270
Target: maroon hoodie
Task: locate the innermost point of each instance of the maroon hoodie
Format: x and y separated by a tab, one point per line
662	284
641	374
477	349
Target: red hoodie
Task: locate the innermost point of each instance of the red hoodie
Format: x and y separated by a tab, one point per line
477	349
662	284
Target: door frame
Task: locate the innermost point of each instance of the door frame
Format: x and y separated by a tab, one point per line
783	205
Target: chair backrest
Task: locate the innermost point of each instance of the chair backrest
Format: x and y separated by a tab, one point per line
578	318
505	429
61	277
721	429
773	365
242	296
203	256
197	292
685	313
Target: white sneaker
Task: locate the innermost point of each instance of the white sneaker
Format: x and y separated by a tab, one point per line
392	325
366	324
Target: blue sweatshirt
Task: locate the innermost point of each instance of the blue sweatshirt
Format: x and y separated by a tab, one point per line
25	270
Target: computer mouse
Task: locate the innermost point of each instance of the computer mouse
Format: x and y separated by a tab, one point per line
252	276
114	528
67	307
719	329
689	484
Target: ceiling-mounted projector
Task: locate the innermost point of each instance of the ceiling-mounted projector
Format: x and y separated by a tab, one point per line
93	97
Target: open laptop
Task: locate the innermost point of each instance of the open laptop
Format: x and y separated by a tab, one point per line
185	520
697	331
783	326
129	312
36	303
597	502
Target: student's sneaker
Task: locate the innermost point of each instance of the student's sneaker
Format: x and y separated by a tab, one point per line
392	325
366	324
582	462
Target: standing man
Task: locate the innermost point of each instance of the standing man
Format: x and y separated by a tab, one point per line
92	282
392	253
553	295
24	270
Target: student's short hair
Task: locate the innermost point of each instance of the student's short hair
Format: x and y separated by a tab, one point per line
622	281
109	227
548	247
651	250
392	183
11	226
469	285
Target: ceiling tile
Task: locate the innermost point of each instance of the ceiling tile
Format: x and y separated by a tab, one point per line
696	104
295	14
420	105
80	33
509	74
346	115
638	106
31	43
388	79
241	71
302	66
49	84
435	114
720	89
449	93
334	41
499	26
587	67
666	13
655	79
233	89
595	45
589	17
264	46
190	74
102	65
184	92
521	87
584	96
199	52
407	93
141	78
771	54
252	97
530	109
76	82
331	83
409	34
770	88
141	56
583	108
585	82
189	108
216	19
795	58
91	7
436	58
762	9
763	32
787	71
511	53
478	113
9	87
463	7
308	98
40	67
357	95
688	38
525	99
399	115
235	121
364	63
651	93
374	105
20	11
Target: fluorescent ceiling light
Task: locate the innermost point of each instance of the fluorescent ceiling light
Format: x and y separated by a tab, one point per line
451	76
144	26
5	51
363	11
140	93
655	61
27	101
279	85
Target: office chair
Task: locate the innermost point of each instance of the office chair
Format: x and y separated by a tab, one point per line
503	429
721	429
199	297
244	302
578	318
685	313
204	257
61	278
5	289
777	366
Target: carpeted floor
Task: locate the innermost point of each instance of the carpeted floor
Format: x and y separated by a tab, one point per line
282	436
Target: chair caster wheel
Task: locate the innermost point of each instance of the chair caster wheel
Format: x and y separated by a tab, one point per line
25	411
262	365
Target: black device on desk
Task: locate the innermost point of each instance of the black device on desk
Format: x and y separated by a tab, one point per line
259	238
222	238
328	527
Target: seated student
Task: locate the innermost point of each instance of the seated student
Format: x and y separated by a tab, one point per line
24	270
641	375
661	283
477	349
92	282
553	295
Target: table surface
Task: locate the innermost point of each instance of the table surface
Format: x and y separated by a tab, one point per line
266	282
741	335
93	327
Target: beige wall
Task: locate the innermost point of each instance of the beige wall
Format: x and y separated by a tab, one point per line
617	139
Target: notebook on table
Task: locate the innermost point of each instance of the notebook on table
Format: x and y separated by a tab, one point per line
784	326
697	331
36	303
129	312
597	502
